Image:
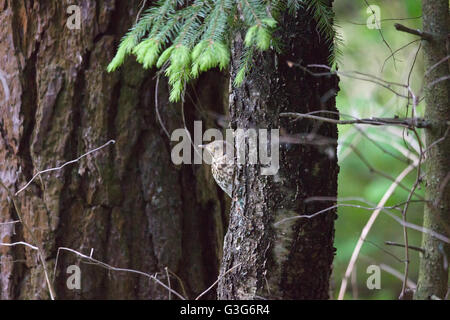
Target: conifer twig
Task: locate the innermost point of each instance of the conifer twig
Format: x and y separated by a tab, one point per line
416	32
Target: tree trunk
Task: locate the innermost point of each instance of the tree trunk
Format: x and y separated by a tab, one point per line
128	202
433	273
292	259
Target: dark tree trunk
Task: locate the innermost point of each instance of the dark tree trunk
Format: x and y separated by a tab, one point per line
293	259
127	202
433	273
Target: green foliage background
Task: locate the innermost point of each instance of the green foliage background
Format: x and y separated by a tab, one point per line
364	51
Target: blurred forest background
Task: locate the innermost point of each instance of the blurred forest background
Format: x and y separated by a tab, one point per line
364	50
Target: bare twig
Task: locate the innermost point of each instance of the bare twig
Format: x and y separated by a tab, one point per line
109	267
140	11
215	282
10	222
406	122
157	108
168	282
395	244
381	35
65	164
399	49
416	32
40	252
367	228
26	244
405	209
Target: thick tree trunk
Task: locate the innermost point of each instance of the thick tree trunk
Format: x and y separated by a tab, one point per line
292	259
127	202
433	274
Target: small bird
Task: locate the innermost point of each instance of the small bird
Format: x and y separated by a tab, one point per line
222	164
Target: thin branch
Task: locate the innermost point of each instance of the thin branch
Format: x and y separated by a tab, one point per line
10	222
157	108
140	11
65	164
397	50
381	34
215	282
384	250
109	267
395	244
405	210
367	228
383	20
19	243
416	32
406	122
41	254
168	282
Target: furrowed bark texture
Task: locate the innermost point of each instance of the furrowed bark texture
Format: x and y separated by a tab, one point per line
433	272
127	202
292	259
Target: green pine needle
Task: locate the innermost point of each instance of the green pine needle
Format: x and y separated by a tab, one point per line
193	37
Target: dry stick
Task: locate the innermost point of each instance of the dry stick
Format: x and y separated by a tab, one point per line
411	284
418	178
41	254
405	209
381	34
382	20
368	226
399	49
10	222
369	78
157	108
395	244
359	155
355	150
434	66
393	207
65	164
381	173
354	282
140	11
19	243
382	208
379	146
180	281
405	122
215	282
109	267
168	283
416	32
384	250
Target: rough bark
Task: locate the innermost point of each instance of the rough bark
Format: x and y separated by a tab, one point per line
128	202
291	260
433	273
